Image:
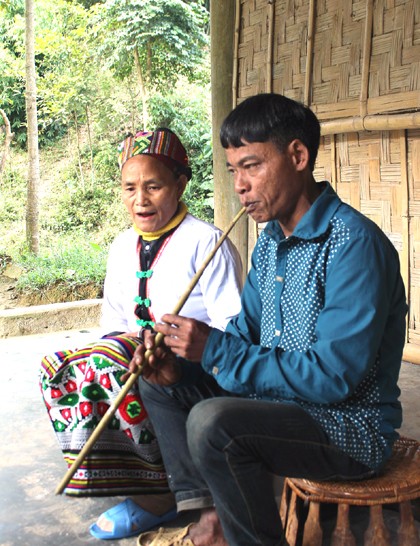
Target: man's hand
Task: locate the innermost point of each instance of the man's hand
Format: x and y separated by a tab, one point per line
184	336
161	367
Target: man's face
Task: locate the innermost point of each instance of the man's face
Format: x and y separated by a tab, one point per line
266	180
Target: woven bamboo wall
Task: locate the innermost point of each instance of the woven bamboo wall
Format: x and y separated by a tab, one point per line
357	65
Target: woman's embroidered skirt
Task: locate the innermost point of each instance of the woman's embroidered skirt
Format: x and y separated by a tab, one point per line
78	387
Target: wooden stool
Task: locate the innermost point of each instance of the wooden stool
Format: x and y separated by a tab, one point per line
399	483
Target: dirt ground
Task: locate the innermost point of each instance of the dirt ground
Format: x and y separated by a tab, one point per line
10	297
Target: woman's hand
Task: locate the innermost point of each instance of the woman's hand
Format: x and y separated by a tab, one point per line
160	367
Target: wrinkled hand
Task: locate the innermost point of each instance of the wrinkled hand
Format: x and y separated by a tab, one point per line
184	336
161	366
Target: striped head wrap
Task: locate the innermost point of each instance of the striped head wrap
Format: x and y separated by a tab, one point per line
162	144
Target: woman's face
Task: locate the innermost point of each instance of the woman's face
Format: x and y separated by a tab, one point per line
150	191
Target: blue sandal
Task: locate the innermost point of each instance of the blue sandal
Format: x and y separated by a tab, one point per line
129	520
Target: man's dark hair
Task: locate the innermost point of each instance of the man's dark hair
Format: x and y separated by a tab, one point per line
272	117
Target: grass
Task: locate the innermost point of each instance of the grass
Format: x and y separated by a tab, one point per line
75	266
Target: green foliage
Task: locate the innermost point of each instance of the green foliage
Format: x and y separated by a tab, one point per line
73	266
12	7
87	85
69	82
105	163
12	66
76	44
88	3
83	208
86	207
169	34
186	111
12	196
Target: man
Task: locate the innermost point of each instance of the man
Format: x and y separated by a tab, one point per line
303	383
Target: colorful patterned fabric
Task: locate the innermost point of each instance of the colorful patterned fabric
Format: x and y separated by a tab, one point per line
78	387
162	144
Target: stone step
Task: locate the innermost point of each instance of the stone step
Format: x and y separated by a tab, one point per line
53	317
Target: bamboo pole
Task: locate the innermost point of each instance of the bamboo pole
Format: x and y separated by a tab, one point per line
384	122
405	217
309	52
270	46
366	56
133	377
235	72
334	167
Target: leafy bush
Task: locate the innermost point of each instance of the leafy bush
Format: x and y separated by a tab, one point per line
85	208
186	111
71	266
12	195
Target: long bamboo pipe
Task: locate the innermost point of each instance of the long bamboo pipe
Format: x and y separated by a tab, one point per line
134	376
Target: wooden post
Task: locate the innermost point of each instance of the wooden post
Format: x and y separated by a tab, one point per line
226	203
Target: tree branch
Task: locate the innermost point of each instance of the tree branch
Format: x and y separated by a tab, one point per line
8	141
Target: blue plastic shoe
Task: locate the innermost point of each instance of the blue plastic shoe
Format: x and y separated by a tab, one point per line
129	520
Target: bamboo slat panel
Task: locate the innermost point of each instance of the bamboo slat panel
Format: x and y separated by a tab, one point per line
366	54
253	48
371	176
357	65
413	160
368	177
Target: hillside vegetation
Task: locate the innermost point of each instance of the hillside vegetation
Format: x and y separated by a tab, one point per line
103	68
80	207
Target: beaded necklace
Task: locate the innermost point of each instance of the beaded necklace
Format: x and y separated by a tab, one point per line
150	246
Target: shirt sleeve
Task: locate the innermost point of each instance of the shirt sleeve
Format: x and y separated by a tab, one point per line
221	283
112	313
363	314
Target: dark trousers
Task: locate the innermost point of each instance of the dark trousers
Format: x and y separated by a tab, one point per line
220	450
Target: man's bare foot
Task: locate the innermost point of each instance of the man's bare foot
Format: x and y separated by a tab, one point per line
207	531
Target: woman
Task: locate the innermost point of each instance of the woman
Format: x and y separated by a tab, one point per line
149	267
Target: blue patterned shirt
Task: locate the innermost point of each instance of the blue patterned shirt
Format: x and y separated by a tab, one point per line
322	325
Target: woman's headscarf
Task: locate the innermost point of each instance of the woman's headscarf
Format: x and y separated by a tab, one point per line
162	144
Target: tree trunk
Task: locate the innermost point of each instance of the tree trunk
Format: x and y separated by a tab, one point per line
9	137
143	89
92	166
79	154
32	205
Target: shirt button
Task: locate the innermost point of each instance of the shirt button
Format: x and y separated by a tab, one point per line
279	279
277	332
215	370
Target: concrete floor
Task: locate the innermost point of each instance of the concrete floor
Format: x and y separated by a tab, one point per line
31	466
